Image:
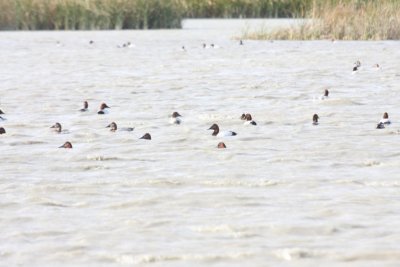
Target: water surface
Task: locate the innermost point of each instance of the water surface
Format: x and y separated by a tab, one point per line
283	193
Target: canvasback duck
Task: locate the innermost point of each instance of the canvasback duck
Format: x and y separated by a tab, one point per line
66	145
85	106
243	117
114	127
124	45
315	119
2	130
216	131
175	118
385	119
380	125
249	120
57	127
326	95
221	145
357	65
104	109
146	136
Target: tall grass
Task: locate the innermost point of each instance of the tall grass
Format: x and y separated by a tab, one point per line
342	20
134	14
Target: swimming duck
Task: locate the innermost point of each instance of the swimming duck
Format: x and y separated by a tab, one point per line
357	65
385	119
249	120
2	130
85	106
221	145
315	119
216	131
146	136
175	118
66	145
57	127
103	109
114	127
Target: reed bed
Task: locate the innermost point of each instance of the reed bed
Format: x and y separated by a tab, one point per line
134	14
341	20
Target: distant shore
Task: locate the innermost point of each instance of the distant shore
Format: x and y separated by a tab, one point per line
340	20
135	14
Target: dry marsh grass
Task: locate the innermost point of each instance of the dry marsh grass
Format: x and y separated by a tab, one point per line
134	14
341	20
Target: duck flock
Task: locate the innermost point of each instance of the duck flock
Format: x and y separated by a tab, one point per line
176	117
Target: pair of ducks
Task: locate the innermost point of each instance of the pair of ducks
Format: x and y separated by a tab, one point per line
114	128
69	145
357	66
103	108
381	125
246	117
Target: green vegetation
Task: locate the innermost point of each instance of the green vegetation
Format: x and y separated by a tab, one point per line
341	20
135	14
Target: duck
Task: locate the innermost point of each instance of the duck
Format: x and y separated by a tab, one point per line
57	127
175	118
326	94
221	145
315	119
114	127
146	136
85	107
2	130
249	120
66	145
104	109
1	112
385	119
357	65
217	133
